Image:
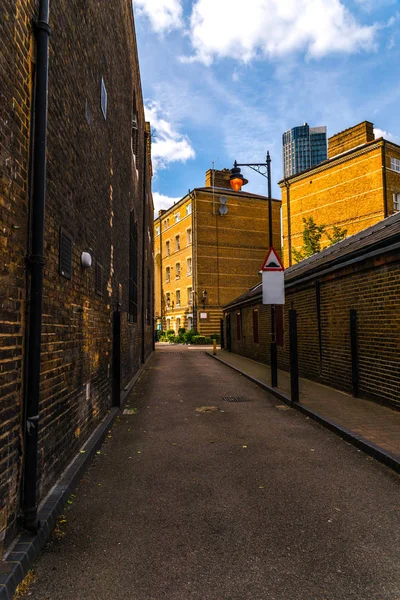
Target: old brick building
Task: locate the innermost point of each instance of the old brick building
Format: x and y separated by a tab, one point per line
356	187
203	258
357	278
98	202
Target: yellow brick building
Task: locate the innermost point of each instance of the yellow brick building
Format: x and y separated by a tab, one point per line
205	259
355	188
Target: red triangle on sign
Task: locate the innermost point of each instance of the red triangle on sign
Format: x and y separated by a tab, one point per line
272	262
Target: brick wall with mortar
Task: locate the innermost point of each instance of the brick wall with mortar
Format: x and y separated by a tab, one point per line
372	289
16	68
348	191
93	183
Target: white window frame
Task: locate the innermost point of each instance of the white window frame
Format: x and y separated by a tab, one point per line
189	270
189	236
396	201
177	297
189	209
167	275
178	242
177	217
178	270
395	164
168	248
189	296
158	230
168	300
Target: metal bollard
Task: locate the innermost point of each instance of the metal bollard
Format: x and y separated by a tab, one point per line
214	347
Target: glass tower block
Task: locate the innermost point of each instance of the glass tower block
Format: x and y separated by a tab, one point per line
303	148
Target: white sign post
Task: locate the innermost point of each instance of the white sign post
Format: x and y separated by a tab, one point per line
273	279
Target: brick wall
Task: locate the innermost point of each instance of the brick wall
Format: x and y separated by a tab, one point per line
93	184
373	289
15	108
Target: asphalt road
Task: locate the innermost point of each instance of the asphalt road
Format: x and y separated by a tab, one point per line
251	502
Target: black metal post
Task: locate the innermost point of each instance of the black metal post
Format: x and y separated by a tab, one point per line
294	357
354	351
222	333
273	347
36	265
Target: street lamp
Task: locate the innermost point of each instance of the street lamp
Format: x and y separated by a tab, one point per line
236	181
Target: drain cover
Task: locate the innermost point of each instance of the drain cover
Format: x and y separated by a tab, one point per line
234	399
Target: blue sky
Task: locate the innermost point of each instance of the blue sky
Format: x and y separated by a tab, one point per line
223	79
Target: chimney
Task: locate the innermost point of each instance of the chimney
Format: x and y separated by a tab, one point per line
161	213
221	178
350	138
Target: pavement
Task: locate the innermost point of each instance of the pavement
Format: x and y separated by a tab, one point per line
374	422
245	501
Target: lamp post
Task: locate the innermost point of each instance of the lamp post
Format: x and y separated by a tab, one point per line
236	181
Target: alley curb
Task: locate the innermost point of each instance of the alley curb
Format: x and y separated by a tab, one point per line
346	434
25	548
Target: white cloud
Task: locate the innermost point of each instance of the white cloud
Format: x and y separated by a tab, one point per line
385	134
168	144
273	28
163	202
164	15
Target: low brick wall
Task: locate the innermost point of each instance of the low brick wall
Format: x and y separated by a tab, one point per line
323	305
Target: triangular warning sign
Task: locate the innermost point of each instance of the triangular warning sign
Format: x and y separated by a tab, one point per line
272	262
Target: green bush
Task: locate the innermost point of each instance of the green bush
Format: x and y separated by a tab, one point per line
199	339
170	332
215	336
189	335
181	330
161	336
175	339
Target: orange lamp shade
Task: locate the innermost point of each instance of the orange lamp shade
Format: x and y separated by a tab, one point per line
236	184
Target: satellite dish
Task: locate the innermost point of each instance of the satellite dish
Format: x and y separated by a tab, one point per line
223	209
223	200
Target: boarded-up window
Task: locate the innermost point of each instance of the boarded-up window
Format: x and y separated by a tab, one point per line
279	325
255	325
133	270
238	326
65	259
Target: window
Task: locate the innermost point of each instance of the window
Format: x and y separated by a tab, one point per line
395	164
178	242
168	300
158	230
189	296
133	270
189	209
189	237
135	135
167	274
168	324
255	325
178	297
238	326
178	324
177	217
189	266
167	248
98	278
103	98
396	201
190	322
65	256
178	270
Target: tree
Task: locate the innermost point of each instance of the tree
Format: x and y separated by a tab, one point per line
337	235
312	234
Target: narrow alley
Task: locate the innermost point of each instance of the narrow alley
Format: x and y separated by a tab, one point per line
250	501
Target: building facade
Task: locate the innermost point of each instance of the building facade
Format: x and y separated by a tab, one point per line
357	186
303	148
346	292
98	210
206	255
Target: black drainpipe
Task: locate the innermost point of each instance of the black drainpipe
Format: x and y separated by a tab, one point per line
289	228
144	283
385	198
36	265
